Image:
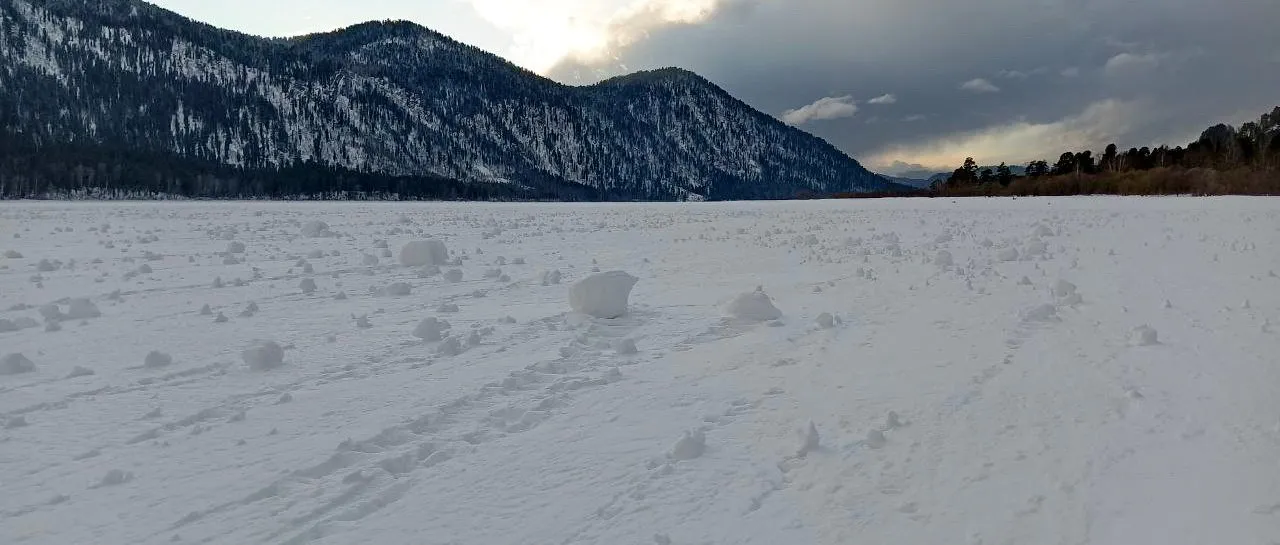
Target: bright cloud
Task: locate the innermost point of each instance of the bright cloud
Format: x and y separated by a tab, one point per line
823	108
979	85
884	99
546	32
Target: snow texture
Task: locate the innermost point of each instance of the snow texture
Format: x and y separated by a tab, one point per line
984	402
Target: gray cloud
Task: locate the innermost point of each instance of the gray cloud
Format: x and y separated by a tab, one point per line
1069	71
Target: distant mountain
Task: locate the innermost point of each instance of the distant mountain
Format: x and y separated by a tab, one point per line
120	86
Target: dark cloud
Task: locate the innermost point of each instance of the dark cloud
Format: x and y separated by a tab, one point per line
1068	71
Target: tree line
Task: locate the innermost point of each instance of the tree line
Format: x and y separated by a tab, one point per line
1224	160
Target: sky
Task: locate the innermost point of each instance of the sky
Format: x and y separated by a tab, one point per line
902	85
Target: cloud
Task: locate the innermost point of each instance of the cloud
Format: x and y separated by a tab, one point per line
1021	141
778	54
884	99
979	85
1125	63
822	109
545	33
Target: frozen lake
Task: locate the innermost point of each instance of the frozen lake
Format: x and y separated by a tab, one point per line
1074	370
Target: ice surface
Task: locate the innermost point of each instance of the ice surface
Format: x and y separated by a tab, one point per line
980	402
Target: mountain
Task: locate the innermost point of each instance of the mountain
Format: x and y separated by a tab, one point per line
392	107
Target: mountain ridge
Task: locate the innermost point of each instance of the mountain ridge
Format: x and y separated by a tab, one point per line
391	98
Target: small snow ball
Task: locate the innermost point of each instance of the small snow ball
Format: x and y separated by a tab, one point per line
689	447
399	289
422	253
51	312
550	277
754	306
1008	254
826	320
263	355
82	309
453	276
1145	336
602	295
447	308
15	364
79	371
625	347
943	259
1063	289
235	247
450	347
156	359
431	329
308	286
369	260
1041	313
316	229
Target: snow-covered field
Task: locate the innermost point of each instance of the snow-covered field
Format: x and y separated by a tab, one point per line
1032	371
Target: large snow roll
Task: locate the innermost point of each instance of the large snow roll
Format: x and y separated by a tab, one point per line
421	253
602	295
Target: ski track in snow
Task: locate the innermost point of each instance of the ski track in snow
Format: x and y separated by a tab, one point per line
990	371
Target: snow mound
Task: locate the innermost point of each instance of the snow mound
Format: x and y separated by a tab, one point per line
602	295
826	320
80	371
308	286
1008	254
1041	313
82	309
12	254
943	259
447	308
263	355
399	289
625	347
422	253
1145	336
156	359
453	276
450	347
316	229
431	329
1063	289
235	247
689	447
16	363
754	306
550	277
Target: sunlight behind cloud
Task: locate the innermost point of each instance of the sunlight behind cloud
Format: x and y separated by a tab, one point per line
546	32
1019	142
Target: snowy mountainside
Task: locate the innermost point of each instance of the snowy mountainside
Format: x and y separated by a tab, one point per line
392	98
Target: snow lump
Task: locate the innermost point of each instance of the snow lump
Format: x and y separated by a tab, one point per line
602	295
263	355
754	306
421	253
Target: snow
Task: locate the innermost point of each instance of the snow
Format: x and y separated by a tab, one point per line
421	253
993	400
753	306
602	295
263	355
